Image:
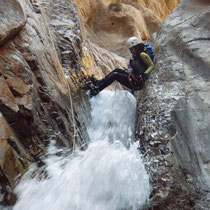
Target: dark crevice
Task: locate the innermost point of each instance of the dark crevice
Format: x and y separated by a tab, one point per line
15	148
198	39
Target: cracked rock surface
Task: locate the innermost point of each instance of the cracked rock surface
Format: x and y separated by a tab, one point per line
12	19
174	110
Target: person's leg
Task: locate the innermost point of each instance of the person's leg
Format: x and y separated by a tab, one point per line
96	81
117	75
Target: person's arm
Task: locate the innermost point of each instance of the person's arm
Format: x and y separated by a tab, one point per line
148	61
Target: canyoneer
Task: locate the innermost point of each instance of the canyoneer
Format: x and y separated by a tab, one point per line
139	68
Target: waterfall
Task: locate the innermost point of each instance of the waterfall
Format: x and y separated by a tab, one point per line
108	175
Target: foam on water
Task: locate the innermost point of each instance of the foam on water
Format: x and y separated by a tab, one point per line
109	175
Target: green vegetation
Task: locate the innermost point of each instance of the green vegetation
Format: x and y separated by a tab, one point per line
115	7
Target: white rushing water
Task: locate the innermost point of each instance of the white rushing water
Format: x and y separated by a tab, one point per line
109	175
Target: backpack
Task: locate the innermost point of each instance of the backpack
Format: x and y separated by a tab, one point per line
148	49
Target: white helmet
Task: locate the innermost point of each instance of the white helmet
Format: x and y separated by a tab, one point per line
132	41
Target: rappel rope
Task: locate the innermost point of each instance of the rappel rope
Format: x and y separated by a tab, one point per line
71	107
73	118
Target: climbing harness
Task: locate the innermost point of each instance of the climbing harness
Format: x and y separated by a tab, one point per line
136	82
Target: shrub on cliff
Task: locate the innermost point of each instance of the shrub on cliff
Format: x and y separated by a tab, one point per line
115	7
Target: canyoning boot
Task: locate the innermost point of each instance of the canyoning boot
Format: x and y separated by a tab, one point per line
132	92
92	86
89	82
94	80
94	90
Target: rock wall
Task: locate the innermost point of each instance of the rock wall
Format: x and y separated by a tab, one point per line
109	24
44	64
47	51
36	98
173	111
11	25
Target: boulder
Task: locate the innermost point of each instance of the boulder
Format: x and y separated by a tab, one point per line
12	19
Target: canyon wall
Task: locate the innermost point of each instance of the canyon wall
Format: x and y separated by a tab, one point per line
37	64
44	64
173	110
49	48
109	24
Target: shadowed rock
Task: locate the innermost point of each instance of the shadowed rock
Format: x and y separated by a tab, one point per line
12	19
176	104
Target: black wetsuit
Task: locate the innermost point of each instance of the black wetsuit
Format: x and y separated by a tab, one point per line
138	68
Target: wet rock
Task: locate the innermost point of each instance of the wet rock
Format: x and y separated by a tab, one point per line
12	19
192	141
166	178
35	96
170	160
6	96
176	100
13	155
17	85
154	143
40	69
